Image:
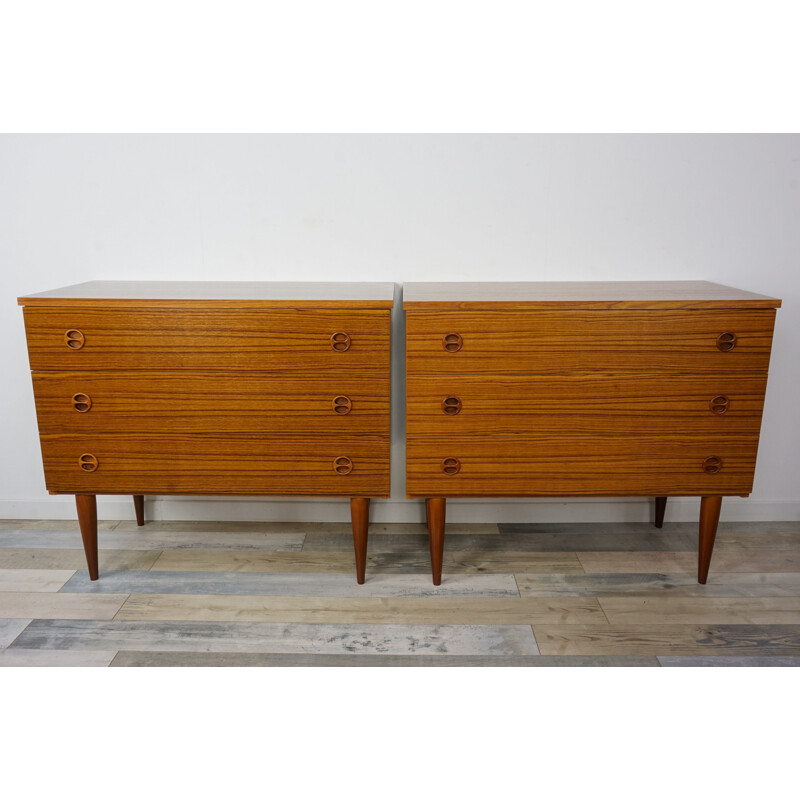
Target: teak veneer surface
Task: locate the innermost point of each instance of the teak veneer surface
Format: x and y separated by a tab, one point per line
251	403
285	340
263	294
584	403
581	294
546	341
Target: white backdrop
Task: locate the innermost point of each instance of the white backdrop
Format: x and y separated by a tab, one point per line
723	208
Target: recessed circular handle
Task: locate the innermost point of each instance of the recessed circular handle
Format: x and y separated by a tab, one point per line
726	341
74	339
719	404
81	402
342	465
88	462
340	342
451	466
712	465
342	404
451	406
452	342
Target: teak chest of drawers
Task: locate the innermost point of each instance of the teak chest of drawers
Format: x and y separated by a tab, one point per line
584	389
213	388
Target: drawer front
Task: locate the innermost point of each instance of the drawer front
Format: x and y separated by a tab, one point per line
579	465
585	404
505	342
216	464
195	402
273	340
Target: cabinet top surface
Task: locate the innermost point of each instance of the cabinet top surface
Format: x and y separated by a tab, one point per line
581	295
263	294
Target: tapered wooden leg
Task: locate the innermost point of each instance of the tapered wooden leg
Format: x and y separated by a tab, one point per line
436	516
661	507
359	514
709	517
138	504
87	518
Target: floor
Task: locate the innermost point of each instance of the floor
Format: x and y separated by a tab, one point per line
284	594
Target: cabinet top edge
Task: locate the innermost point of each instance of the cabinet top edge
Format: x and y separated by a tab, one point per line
237	294
582	295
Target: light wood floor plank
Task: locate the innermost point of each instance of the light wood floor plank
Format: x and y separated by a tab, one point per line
737	560
34	580
293	584
17	657
20	558
52	524
706	610
729	661
269	637
642	640
58	605
361	610
143	539
322	562
128	658
10	629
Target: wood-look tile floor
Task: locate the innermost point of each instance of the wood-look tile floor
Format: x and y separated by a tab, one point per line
284	594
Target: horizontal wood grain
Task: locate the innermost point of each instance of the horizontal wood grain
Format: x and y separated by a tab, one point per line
544	342
228	294
671	610
578	465
537	295
211	402
584	403
276	340
216	464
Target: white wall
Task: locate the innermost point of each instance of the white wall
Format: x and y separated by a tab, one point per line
401	208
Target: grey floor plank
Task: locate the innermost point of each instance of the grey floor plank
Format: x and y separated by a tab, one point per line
292	583
270	637
48	558
59	605
729	661
10	629
644	527
734	584
144	539
510	542
129	658
17	657
52	524
34	580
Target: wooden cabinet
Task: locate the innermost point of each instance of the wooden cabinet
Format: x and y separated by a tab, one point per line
584	389
213	388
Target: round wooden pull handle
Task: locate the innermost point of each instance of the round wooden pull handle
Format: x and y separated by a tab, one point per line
452	342
88	462
342	465
74	339
726	341
451	466
712	465
81	402
719	404
451	406
342	404
340	342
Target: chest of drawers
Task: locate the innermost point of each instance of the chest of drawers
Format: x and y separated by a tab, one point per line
213	388
584	389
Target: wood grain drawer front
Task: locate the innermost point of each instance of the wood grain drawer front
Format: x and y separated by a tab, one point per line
578	465
196	402
586	404
579	341
282	340
212	464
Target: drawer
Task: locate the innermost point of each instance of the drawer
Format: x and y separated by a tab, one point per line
271	340
625	403
578	465
214	402
216	464
505	342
